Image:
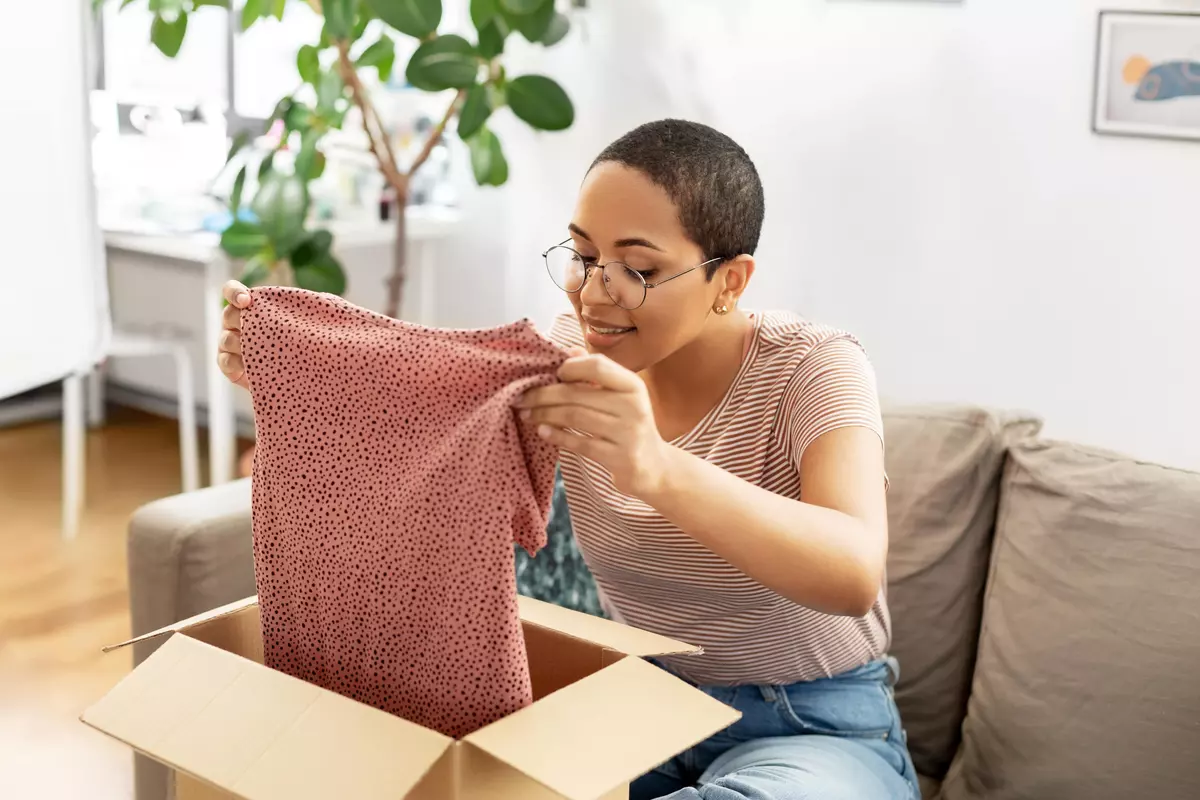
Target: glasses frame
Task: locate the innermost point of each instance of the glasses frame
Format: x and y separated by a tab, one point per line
588	268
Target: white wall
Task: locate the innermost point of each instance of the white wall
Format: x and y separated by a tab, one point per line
932	185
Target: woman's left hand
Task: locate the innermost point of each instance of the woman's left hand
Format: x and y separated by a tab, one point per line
607	409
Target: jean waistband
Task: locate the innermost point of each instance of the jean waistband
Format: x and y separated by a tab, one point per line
887	667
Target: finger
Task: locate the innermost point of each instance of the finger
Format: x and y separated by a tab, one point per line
231	318
230	342
600	370
575	352
232	366
578	418
596	449
576	394
236	294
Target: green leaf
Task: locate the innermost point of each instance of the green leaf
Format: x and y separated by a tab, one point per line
200	3
491	38
251	12
306	159
483	12
277	8
533	26
281	206
311	248
329	90
298	117
339	17
323	275
447	62
540	102
243	239
523	6
168	36
382	51
365	15
417	18
239	141
318	168
475	111
557	30
235	196
308	63
168	8
257	271
265	166
487	159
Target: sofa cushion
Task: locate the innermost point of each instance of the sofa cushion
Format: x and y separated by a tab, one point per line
1086	684
944	465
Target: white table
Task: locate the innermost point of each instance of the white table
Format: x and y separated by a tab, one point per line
425	228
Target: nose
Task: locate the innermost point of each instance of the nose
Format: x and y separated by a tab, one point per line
593	292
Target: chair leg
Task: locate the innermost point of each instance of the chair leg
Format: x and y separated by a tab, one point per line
187	420
73	434
95	396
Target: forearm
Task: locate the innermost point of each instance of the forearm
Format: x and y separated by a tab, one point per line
814	556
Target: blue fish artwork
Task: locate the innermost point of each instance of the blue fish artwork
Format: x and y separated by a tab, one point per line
1166	81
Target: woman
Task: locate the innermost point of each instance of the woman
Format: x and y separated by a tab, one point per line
724	472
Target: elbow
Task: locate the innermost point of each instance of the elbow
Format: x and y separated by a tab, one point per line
861	600
860	589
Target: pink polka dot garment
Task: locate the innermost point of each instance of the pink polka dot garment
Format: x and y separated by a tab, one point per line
391	478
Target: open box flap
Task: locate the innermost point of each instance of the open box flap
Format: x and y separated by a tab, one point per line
216	613
607	633
604	730
260	734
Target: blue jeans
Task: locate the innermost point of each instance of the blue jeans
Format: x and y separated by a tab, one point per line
826	739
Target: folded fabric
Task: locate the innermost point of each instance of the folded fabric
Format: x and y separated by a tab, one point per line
391	478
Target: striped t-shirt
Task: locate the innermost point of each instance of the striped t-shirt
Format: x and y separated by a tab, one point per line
798	380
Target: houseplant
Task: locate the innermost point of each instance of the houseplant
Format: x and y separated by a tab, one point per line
277	242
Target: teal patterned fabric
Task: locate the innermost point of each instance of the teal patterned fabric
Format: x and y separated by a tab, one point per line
558	574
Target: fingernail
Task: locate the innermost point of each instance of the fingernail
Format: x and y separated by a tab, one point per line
543	431
243	297
526	413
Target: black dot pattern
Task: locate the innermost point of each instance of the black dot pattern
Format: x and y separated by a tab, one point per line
391	478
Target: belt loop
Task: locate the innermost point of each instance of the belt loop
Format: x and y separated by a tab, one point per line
768	693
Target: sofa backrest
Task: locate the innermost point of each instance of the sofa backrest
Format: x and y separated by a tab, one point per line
944	465
1087	684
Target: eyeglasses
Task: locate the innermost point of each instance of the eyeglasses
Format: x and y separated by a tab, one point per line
625	285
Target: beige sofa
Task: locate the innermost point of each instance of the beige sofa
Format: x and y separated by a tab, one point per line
1045	598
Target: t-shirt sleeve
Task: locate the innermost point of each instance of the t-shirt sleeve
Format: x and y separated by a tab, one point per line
565	331
833	387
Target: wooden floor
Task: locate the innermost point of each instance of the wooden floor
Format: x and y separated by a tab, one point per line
61	601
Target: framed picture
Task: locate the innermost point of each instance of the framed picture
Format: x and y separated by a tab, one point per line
1148	75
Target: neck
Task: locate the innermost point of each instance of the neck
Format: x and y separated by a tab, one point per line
694	378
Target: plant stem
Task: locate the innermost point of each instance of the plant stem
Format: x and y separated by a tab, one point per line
437	132
395	283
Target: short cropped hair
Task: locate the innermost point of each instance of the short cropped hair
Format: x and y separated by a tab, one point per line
706	174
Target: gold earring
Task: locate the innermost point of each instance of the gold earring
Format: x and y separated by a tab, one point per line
724	309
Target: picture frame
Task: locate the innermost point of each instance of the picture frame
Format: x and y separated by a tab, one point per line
1147	74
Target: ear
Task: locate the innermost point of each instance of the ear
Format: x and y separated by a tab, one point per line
734	276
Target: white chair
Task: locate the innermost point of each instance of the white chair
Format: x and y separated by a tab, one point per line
81	408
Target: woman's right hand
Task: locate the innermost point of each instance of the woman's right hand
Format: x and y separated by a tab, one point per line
229	343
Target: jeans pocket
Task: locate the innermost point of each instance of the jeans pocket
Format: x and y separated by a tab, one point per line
842	707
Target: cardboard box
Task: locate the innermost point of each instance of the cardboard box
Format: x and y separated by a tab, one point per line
205	705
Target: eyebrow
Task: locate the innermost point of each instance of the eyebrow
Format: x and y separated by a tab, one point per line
619	243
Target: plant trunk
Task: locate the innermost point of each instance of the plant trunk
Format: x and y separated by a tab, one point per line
395	284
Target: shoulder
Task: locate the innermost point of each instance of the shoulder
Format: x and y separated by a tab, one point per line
790	343
565	331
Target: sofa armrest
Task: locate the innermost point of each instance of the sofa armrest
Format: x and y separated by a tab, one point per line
187	554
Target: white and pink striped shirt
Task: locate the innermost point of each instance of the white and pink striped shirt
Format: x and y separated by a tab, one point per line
798	380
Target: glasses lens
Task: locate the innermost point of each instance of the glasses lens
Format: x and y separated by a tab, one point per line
624	285
566	268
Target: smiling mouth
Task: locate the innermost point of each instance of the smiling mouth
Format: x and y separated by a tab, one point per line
605	331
